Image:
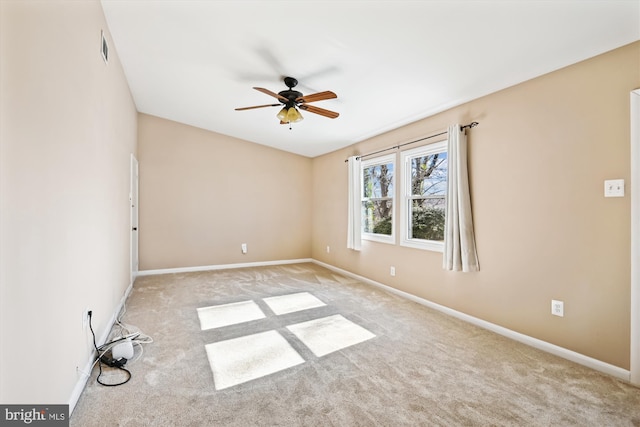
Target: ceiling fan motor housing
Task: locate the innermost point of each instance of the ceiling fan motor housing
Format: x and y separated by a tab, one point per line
290	94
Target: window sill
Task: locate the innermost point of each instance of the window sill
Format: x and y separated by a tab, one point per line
424	245
379	238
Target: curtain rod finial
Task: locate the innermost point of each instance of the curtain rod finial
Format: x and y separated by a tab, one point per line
470	125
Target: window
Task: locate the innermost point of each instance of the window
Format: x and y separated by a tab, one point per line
424	187
377	199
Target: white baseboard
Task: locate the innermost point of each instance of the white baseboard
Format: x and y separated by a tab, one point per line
581	359
82	381
220	267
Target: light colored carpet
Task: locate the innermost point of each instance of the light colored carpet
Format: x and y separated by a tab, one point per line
422	368
328	334
285	304
218	316
250	357
246	358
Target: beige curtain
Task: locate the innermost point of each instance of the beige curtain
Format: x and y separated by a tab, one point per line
354	231
459	241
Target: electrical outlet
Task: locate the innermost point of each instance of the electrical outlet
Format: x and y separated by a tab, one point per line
244	248
392	271
557	308
328	249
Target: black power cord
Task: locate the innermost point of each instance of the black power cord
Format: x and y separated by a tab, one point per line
114	365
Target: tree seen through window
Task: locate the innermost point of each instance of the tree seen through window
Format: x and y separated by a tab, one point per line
377	198
427	199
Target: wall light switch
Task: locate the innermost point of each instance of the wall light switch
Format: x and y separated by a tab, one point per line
244	248
614	188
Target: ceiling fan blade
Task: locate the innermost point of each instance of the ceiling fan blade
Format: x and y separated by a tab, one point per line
318	110
258	106
327	94
268	92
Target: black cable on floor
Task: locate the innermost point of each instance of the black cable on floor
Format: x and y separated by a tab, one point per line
100	363
116	384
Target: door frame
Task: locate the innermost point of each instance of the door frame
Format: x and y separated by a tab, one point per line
634	376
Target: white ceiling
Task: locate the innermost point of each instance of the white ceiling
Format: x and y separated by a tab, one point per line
389	62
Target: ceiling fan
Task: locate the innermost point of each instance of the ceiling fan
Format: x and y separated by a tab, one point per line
291	100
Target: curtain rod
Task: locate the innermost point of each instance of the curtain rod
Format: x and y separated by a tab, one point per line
395	147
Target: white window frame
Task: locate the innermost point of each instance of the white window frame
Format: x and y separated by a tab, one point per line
383	238
405	212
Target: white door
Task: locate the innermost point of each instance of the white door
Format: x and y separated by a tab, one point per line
133	199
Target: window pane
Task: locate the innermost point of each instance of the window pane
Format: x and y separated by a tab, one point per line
378	181
377	216
427	218
429	175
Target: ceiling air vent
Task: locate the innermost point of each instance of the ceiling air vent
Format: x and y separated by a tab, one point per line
104	47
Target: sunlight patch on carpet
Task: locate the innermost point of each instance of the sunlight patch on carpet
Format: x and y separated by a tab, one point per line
243	359
329	334
218	316
293	302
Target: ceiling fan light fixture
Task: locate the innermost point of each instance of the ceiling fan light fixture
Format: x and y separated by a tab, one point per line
293	115
282	115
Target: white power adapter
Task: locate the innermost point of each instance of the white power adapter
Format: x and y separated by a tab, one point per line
123	349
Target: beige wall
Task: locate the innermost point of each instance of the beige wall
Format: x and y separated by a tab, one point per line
544	230
203	194
67	130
